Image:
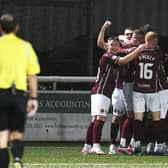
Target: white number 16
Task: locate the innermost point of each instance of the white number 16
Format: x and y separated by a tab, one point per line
145	71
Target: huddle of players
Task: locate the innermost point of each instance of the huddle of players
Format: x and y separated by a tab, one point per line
140	86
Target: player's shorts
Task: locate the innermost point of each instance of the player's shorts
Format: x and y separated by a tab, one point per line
100	105
163	95
118	102
146	102
12	110
128	91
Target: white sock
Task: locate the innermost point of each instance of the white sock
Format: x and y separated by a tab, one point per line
123	142
132	142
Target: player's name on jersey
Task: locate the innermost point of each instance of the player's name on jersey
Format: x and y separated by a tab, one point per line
146	57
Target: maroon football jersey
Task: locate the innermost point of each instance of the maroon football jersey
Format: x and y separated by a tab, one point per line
106	76
162	81
128	44
126	73
146	67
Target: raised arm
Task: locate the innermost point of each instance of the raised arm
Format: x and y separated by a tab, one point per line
100	40
132	55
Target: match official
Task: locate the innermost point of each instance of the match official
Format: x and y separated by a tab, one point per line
18	64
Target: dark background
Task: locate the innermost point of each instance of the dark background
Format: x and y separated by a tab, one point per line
64	32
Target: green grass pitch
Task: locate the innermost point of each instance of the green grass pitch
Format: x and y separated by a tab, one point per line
68	155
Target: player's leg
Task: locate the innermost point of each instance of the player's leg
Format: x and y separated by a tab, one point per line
126	135
100	105
154	107
17	147
150	133
126	131
119	108
17	121
163	94
160	147
97	132
4	155
127	125
139	109
113	133
89	137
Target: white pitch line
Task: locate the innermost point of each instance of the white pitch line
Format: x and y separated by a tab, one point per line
96	164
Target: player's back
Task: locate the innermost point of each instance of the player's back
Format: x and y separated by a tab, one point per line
146	71
15	58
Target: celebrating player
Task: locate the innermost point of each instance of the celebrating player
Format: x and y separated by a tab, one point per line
102	91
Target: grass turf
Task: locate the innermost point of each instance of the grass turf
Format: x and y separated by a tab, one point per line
68	155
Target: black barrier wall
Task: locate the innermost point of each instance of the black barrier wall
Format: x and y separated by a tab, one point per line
64	32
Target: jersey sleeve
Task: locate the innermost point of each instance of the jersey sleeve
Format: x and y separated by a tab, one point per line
166	63
114	59
33	66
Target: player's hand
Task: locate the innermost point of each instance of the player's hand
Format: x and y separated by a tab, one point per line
107	24
32	107
142	47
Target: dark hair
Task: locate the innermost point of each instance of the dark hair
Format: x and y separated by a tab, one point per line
146	28
139	33
129	28
115	38
8	23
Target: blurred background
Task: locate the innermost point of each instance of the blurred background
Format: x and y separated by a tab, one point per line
64	32
64	35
